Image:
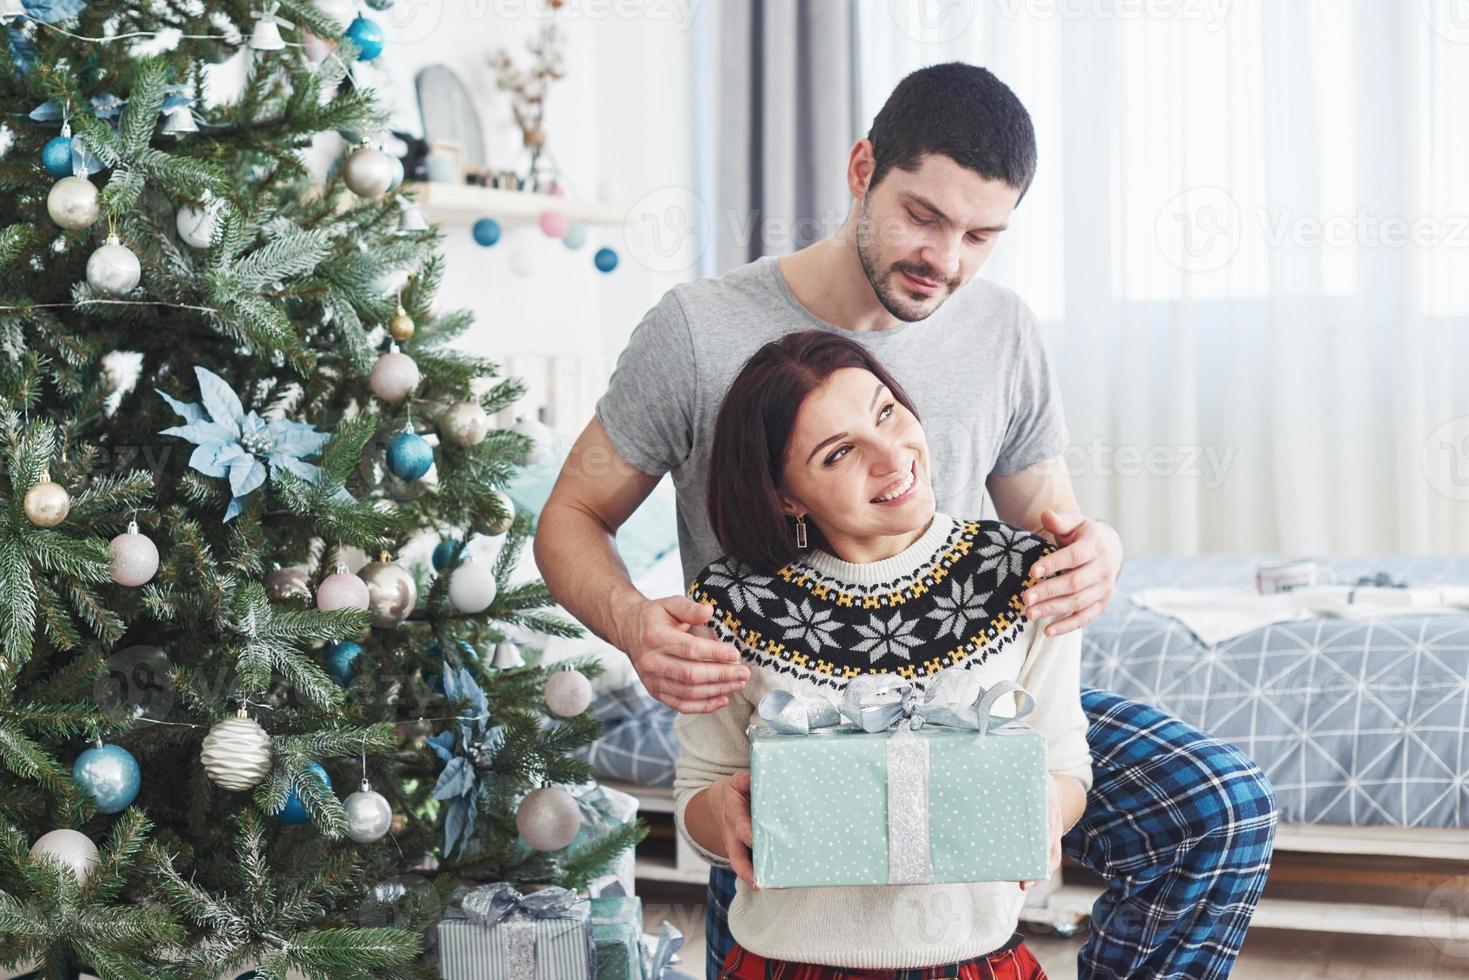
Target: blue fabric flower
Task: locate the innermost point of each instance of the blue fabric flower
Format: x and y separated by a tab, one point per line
241	445
466	754
51	11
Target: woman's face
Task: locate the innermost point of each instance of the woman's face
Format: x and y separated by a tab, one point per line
857	467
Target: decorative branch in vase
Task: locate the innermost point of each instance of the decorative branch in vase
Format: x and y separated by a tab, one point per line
528	89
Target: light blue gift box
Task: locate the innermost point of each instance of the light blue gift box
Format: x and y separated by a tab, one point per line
617	924
493	932
896	787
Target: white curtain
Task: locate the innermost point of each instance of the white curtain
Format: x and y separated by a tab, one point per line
1249	243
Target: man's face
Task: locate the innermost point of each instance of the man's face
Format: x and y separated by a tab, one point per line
921	235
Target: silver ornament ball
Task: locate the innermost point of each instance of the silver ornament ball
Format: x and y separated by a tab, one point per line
368	172
488	524
393	376
471	587
72	848
74	203
368	815
548	818
196	225
236	753
464	424
134	558
568	693
284	584
47	503
113	268
391	592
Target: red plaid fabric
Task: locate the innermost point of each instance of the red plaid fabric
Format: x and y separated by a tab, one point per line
1013	961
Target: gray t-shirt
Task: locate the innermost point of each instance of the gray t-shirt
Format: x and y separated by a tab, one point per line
976	370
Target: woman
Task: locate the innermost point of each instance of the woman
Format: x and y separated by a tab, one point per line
837	563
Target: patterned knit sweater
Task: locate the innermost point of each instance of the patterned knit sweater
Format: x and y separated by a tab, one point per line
950	601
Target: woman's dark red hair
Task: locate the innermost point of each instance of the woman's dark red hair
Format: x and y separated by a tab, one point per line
753	431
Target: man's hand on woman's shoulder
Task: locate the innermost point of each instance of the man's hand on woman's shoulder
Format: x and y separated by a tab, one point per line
1089	554
676	655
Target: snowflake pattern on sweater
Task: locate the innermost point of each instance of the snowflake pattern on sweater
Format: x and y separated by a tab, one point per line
956	609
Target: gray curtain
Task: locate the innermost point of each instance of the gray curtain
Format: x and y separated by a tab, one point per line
786	116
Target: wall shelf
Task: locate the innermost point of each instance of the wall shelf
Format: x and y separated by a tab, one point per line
464	204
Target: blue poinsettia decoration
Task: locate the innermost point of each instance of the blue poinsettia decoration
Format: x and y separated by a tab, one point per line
44	11
241	445
467	751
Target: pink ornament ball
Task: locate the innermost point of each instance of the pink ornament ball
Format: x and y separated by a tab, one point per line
555	224
342	590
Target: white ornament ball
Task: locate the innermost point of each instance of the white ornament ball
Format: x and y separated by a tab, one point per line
113	268
368	815
196	226
236	754
368	172
507	656
393	376
134	558
540	437
472	587
74	203
47	503
391	592
72	848
522	262
343	590
284	584
568	693
464	424
488	524
548	818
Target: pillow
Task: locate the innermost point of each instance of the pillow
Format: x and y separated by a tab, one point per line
649	534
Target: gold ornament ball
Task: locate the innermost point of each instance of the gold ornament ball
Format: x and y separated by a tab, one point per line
47	503
401	326
74	203
464	424
391	591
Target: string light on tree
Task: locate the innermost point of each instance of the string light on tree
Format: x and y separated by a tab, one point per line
134	557
236	753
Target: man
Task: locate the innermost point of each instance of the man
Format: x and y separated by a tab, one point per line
1180	824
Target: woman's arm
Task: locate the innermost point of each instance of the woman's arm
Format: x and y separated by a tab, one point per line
714	751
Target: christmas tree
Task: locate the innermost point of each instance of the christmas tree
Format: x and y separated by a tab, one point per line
209	404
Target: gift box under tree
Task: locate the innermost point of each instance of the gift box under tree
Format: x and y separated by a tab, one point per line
493	932
896	787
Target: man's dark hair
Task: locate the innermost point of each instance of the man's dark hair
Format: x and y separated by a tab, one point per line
962	111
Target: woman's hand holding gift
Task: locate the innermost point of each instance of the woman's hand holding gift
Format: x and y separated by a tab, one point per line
733	805
1057	826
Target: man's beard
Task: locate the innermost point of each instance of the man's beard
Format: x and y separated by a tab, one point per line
899	305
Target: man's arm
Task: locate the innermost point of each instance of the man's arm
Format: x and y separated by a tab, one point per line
1040	499
596	491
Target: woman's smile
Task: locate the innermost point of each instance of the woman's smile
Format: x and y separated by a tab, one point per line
900	490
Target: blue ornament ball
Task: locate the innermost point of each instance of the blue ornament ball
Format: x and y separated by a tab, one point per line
576	236
443	552
368	37
606	259
341	661
109	776
410	456
487	231
294	811
56	156
396	165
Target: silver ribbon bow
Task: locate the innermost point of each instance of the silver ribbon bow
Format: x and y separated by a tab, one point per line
500	903
879	702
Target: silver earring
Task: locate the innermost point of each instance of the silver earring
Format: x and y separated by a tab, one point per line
800	532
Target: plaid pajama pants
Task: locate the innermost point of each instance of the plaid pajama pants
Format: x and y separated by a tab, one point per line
1181	826
1010	962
